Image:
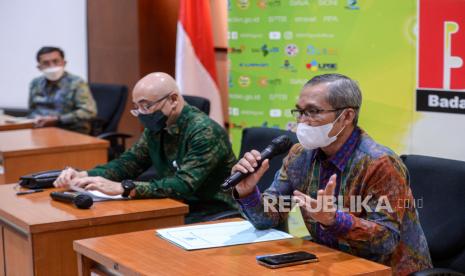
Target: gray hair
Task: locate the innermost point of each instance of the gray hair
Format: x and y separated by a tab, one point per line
343	92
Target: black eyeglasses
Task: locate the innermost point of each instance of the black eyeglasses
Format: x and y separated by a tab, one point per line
314	113
144	109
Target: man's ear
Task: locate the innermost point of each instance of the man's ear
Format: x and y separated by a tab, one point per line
350	116
175	99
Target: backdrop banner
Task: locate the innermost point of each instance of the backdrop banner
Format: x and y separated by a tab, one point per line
276	46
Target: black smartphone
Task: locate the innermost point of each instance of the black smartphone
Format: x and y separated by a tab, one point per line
286	259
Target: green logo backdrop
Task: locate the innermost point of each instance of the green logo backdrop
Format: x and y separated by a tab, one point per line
277	45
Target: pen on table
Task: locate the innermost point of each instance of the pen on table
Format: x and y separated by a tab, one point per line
29	192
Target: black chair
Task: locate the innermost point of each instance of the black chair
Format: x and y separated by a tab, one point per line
438	186
201	103
111	100
17	112
259	138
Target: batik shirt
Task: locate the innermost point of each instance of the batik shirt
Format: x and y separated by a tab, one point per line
192	158
69	98
391	234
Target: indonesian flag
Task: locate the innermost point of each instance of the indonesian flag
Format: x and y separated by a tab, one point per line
195	56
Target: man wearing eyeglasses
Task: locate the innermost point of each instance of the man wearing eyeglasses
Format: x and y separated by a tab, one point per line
339	176
191	154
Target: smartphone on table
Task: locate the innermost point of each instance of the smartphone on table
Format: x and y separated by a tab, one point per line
286	259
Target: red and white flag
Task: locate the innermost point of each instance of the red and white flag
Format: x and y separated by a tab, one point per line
195	55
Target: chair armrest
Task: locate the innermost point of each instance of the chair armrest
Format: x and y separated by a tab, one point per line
17	112
113	135
117	143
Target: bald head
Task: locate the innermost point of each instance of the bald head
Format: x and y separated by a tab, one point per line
154	86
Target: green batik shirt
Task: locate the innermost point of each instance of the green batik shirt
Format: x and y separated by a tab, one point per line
192	158
69	98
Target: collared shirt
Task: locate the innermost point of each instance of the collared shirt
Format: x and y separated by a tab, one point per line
366	171
329	166
192	157
69	98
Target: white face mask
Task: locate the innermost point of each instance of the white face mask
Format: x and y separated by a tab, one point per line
312	137
54	73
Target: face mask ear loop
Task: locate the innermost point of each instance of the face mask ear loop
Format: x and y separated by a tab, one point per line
335	122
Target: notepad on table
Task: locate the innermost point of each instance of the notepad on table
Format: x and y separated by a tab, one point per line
219	234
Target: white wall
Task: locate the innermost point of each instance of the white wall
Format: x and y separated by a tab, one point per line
27	25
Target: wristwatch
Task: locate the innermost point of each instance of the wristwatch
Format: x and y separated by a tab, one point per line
128	186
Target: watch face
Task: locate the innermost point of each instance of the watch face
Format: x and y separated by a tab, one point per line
128	184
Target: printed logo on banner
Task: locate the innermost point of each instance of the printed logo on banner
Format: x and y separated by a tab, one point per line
327	2
254	65
235	50
232	35
330	19
288	35
245	97
230	81
288	66
278	97
304	19
276	113
263	4
291	50
265	81
352	5
277	19
441	46
299	3
244	81
314	66
274	35
233	111
243	4
312	50
265	50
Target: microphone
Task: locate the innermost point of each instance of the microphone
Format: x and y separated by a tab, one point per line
81	201
278	146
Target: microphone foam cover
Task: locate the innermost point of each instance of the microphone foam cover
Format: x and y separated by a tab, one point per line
83	201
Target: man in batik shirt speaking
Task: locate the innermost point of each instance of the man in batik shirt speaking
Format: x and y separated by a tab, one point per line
353	193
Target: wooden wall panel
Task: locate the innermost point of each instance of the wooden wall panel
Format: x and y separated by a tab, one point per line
128	39
157	35
113	50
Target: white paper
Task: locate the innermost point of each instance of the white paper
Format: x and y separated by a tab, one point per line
96	195
219	234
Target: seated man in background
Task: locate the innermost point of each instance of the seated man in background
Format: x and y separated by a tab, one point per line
191	154
353	193
59	98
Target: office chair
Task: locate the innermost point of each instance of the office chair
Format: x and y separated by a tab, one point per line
110	100
440	185
201	103
17	112
259	138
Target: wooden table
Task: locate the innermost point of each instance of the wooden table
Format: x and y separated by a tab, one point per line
8	122
37	232
144	253
33	150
